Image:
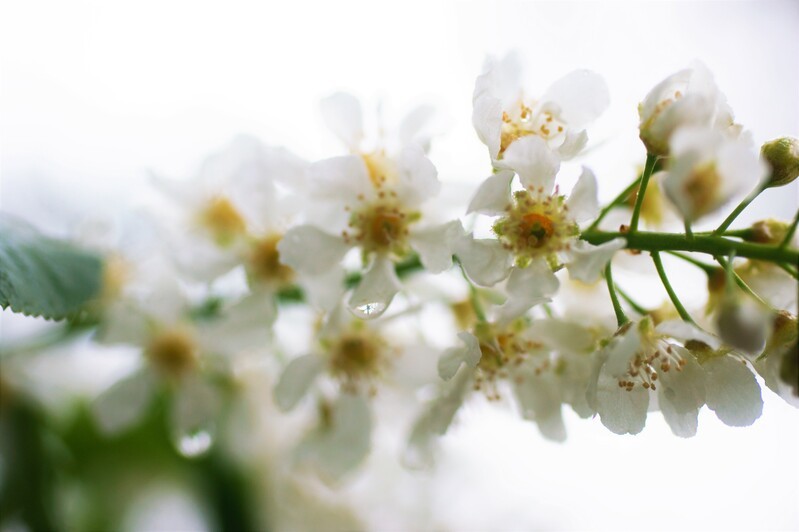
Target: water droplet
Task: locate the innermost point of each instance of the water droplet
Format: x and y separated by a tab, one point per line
195	443
369	311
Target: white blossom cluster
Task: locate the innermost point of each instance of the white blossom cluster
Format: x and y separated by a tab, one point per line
351	254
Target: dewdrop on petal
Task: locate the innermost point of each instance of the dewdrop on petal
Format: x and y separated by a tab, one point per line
782	155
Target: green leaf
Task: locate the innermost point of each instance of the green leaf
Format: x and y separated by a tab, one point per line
42	276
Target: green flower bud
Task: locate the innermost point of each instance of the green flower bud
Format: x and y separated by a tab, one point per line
783	156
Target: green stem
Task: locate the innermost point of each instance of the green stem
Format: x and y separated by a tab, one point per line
630	301
789	270
742	284
639	198
712	245
791	231
621	317
738	210
688	232
667	285
707	268
621	198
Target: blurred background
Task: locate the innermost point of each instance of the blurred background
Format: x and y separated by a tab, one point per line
93	95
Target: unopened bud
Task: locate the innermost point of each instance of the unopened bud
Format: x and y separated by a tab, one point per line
784	346
767	232
783	156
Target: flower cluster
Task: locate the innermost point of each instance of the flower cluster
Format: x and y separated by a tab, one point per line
342	281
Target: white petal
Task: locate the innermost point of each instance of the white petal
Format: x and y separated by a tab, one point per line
685	331
498	87
245	325
662	91
124	403
573	144
540	402
324	291
435	245
376	289
681	394
583	202
740	166
586	261
732	391
564	336
418	176
528	287
487	122
124	323
485	261
451	360
621	411
339	447
341	179
493	195
296	380
435	420
412	127
342	114
621	351
534	161
310	250
581	95
195	405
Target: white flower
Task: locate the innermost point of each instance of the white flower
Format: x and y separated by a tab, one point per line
502	113
779	362
689	97
636	363
343	115
234	211
641	363
355	355
708	169
535	227
374	205
177	353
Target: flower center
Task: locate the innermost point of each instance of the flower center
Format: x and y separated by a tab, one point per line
357	355
535	226
701	189
526	122
221	218
264	261
643	368
381	227
173	351
501	351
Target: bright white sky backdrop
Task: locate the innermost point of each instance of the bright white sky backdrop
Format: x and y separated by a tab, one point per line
92	94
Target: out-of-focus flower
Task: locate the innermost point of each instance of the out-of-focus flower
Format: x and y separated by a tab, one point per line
356	357
502	113
708	169
343	115
178	352
779	362
689	97
234	211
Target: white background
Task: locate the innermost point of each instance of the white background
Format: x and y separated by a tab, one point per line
92	94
